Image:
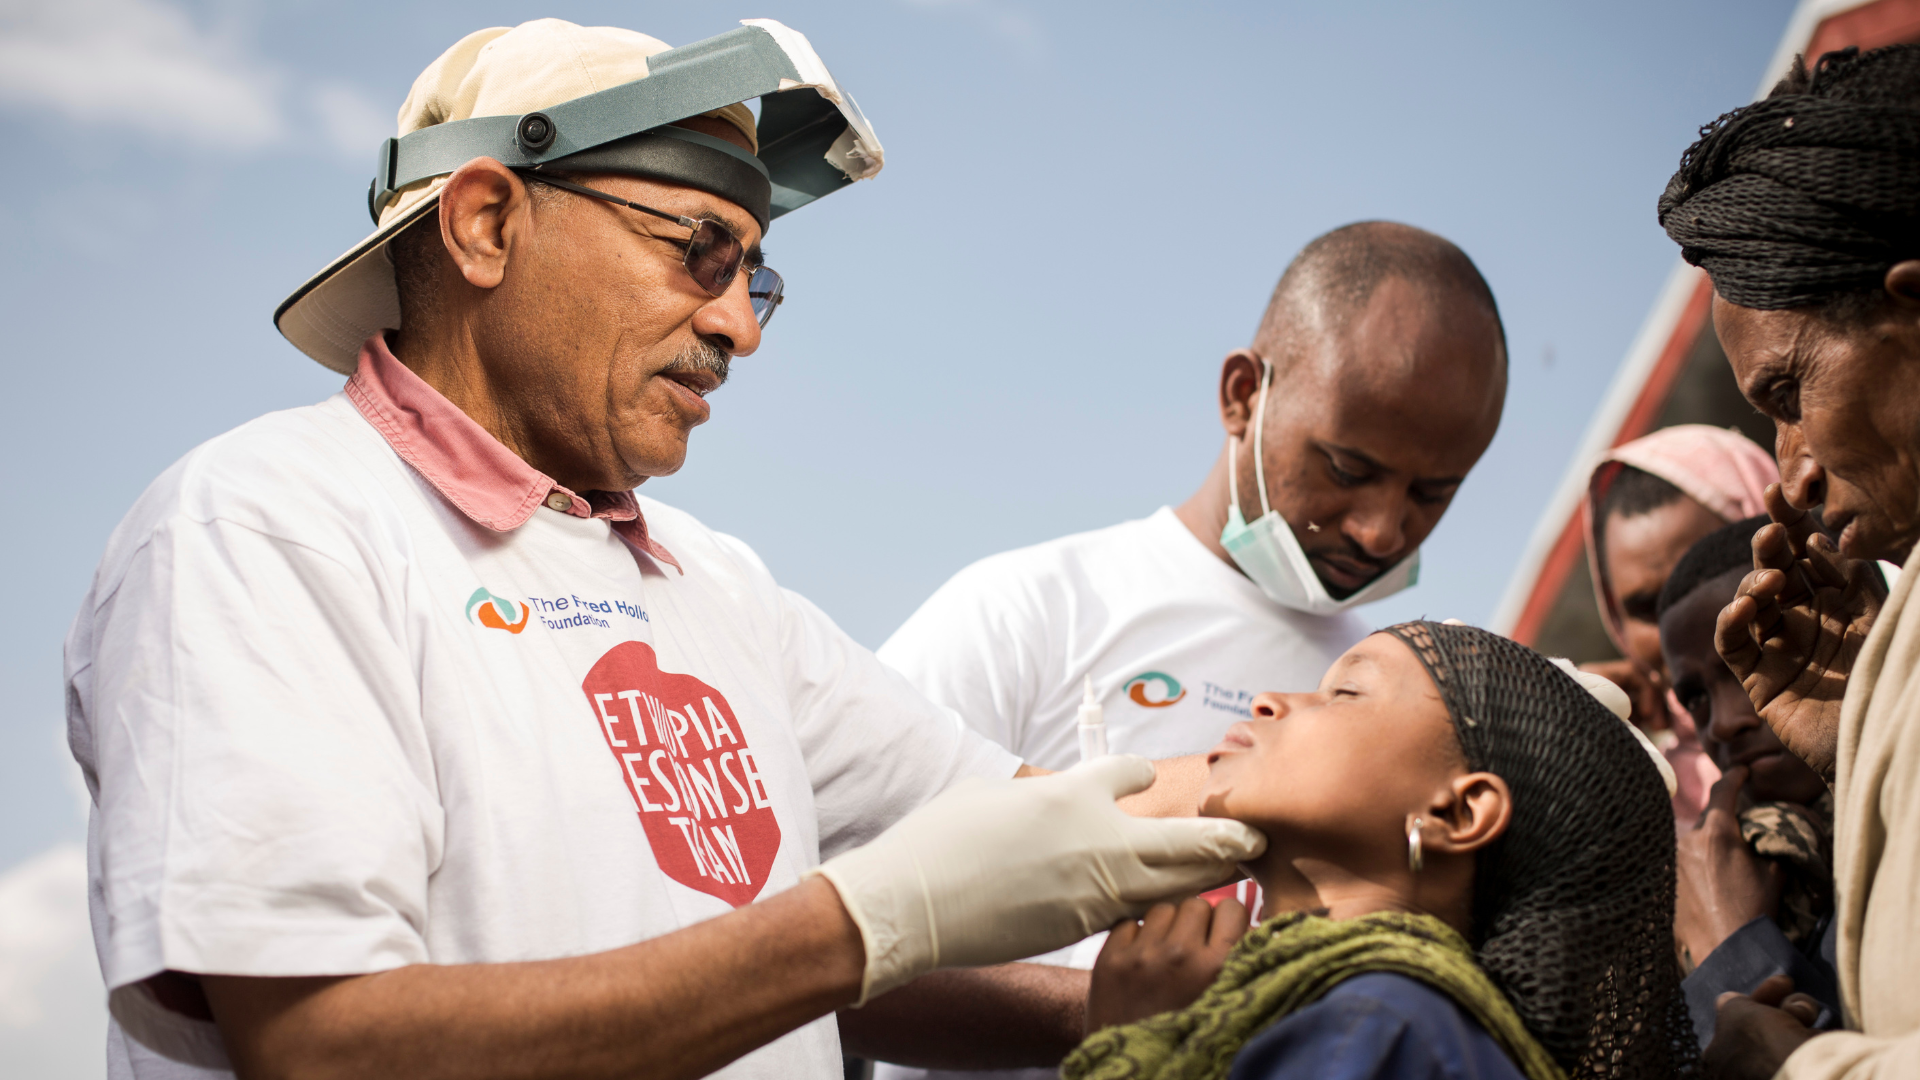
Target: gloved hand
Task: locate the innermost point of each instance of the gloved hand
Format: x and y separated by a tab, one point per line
992	871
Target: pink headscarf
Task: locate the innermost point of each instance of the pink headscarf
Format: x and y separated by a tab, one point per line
1727	473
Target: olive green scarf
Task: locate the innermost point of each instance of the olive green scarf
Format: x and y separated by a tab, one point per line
1286	964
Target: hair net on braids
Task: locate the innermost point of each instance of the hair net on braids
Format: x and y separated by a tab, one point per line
1811	194
1573	905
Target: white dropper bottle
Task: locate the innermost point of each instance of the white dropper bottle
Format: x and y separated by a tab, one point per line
1093	725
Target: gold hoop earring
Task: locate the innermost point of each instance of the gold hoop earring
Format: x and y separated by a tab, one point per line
1416	858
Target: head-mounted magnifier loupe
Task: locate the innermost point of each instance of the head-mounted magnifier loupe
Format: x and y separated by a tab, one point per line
812	141
813	138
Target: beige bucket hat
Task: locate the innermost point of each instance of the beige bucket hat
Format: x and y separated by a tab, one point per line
581	87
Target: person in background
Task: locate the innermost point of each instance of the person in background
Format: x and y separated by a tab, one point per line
1470	857
1374	382
1804	208
1648	501
1756	878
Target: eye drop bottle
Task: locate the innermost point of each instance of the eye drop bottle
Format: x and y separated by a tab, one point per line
1093	725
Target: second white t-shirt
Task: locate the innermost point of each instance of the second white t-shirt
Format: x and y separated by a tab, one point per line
1176	641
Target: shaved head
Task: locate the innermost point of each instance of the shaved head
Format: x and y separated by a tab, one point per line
1388	372
1330	282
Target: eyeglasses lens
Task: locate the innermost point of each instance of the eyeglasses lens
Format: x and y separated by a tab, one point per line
765	289
713	257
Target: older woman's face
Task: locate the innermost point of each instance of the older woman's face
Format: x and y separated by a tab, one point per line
1848	399
1338	770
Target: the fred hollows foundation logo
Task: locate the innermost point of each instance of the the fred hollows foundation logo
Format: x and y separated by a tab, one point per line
496	612
1167	689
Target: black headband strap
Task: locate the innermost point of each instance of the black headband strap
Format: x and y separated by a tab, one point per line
675	155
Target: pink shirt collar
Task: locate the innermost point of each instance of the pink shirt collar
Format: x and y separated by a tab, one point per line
469	467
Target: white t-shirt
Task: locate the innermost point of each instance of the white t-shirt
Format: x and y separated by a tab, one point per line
1177	643
332	724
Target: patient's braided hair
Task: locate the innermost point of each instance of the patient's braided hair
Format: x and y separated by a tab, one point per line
1573	905
1809	196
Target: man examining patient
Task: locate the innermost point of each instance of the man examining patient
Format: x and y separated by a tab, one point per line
359	811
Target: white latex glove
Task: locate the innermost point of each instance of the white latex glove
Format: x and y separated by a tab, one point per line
991	871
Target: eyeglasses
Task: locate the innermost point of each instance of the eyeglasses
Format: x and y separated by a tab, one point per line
714	255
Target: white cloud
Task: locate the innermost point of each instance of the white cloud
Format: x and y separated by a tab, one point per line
353	125
142	64
53	1011
43	915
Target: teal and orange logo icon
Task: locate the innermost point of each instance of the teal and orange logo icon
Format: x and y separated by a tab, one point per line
1170	690
496	612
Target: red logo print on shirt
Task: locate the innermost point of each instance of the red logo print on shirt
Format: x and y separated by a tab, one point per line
699	791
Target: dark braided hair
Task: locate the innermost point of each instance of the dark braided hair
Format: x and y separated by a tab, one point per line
1808	197
1635	491
1573	905
1630	493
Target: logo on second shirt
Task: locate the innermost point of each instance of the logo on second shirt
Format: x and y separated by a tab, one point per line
1169	690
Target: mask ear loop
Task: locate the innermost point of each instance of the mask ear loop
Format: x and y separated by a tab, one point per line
1259	419
1233	473
1259	464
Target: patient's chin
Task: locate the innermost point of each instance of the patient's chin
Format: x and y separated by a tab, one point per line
1214	803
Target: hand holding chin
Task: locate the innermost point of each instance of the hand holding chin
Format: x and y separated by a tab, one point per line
1162	962
1794	628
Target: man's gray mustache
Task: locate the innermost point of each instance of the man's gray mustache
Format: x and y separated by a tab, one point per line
701	356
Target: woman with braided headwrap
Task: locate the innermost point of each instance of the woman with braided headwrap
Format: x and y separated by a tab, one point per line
1804	208
1473	861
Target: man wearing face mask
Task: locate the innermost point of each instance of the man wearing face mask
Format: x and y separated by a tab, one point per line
1374	383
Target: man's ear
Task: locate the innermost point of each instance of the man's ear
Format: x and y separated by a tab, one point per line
482	209
1474	812
1239	385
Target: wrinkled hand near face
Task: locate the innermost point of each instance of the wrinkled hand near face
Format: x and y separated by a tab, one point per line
1794	629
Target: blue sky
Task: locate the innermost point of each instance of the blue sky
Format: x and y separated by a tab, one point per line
1012	334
